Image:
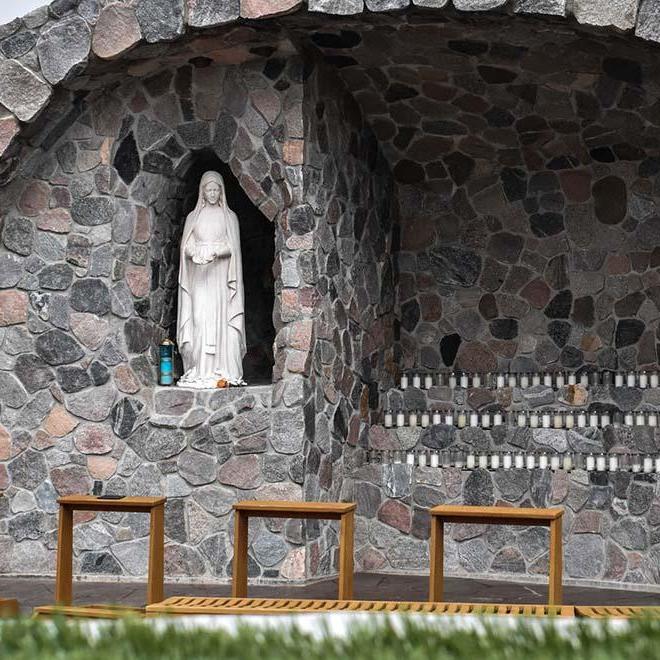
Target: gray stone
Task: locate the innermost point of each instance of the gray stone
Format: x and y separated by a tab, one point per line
161	444
533	542
216	500
474	555
73	379
31	525
196	467
430	3
11	269
552	7
132	555
639	498
28	469
34	411
57	347
214	549
478	5
57	277
508	560
13	393
455	266
553	438
63	49
386	5
368	499
539	395
21	91
92	211
287	431
121	300
146	481
398	480
100	563
33	373
209	13
648	20
269	549
619	13
160	20
630	534
173	401
340	7
46	497
90	295
18	233
241	471
478	489
93	404
584	556
512	484
407	553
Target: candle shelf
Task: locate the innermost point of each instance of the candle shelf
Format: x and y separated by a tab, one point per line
468	459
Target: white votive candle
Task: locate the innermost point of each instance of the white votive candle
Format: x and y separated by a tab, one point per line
400	418
416	381
485	419
584	379
554	462
648	464
412	418
495	461
404	381
654	379
618	379
543	461
465	381
461	419
643	380
483	461
474	419
560	381
631	380
601	462
581	419
476	380
524	381
437	417
640	420
567	462
500	380
572	378
507	461
449	418
558	420
410	458
497	418
513	380
530	461
421	459
657	464
534	419
389	419
426	419
428	382
590	463
519	461
613	463
522	419
628	419
593	420
605	419
435	459
652	419
536	379
569	420
545	420
452	380
547	379
636	463
470	461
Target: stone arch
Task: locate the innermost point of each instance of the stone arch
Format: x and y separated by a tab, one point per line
71	36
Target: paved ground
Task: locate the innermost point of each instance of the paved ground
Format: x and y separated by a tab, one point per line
31	592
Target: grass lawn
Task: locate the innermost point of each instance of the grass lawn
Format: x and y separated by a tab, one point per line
27	639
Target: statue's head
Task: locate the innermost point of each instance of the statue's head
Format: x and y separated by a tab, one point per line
211	188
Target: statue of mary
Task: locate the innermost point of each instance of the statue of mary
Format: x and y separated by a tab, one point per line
211	317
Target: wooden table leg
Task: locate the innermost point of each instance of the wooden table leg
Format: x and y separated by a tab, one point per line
437	560
346	533
156	555
556	561
239	581
64	571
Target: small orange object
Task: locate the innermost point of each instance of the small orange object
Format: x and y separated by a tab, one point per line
222	383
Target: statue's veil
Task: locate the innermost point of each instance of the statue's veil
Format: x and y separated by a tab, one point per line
236	293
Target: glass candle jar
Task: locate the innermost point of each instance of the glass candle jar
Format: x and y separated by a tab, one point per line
547	379
613	463
521	418
584	379
530	461
435	459
400	418
581	419
590	463
631	379
453	381
647	464
422	459
470	461
558	420
461	419
500	381
464	381
618	379
654	379
534	419
474	419
449	418
560	380
404	381
507	461
476	380
428	381
601	463
543	461
554	462
416	381
483	461
412	418
437	417
593	420
635	463
572	378
389	419
498	418
536	379
495	461
513	380
519	461
426	419
545	419
569	419
567	462
640	419
628	419
524	381
643	380
485	419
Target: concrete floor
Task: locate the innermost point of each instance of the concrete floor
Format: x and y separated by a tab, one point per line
31	592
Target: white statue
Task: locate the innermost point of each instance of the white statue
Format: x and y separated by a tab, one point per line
211	322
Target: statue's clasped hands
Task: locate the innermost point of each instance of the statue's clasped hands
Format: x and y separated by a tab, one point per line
206	252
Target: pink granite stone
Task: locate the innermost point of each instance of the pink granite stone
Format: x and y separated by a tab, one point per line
300	335
293	152
89	329
396	514
241	471
116	31
34	198
59	422
142	231
293	565
126	380
266	8
56	220
9	129
71	480
13	307
138	280
93	439
101	467
5	444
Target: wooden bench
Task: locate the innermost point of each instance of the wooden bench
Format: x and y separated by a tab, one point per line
617	611
184	605
342	511
155	506
8	607
495	515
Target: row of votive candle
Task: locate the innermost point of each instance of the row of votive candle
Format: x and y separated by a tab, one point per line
555	379
470	460
543	419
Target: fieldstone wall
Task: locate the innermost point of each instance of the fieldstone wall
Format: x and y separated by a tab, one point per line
350	197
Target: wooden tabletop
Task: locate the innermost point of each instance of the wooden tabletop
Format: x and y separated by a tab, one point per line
495	512
283	506
93	503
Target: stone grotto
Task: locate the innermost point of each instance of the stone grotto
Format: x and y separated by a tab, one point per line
422	186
